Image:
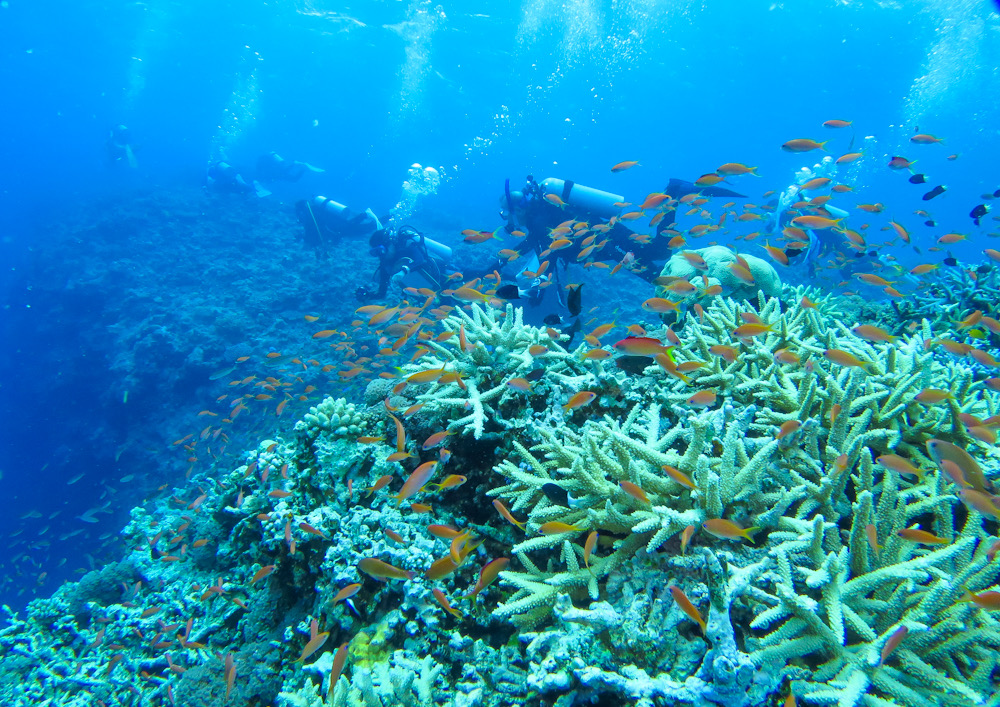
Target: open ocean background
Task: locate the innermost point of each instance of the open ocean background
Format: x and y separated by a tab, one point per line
122	291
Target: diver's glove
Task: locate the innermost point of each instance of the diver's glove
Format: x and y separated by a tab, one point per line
534	292
397	279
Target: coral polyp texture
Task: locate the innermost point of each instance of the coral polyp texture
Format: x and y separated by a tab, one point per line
775	503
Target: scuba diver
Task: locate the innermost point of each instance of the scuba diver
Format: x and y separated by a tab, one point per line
119	147
405	258
532	213
226	179
827	247
272	167
325	220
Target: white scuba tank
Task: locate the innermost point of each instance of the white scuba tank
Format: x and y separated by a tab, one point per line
593	201
438	251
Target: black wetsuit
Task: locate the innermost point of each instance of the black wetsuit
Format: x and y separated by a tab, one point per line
223	177
272	167
540	217
323	225
409	253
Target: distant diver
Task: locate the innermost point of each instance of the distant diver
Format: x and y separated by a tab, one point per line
119	147
406	258
272	167
824	245
325	221
225	179
540	206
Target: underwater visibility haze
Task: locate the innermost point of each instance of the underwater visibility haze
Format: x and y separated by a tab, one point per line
635	352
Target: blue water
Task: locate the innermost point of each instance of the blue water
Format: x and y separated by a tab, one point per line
481	91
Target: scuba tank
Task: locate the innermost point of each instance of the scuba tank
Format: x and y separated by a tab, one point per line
592	201
432	249
335	212
438	251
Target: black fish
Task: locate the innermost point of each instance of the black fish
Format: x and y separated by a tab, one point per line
918	179
978	212
983	269
632	364
508	292
930	223
996	194
950	261
556	493
535	374
936	191
574	302
552	320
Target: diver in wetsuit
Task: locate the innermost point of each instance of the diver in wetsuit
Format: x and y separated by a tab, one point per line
405	257
224	178
272	167
827	247
530	212
326	221
119	147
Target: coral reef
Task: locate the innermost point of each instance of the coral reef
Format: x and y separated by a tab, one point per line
476	532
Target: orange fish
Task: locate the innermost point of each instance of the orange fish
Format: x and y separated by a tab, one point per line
900	465
728	353
752	329
687	607
584	397
680	477
377	569
815	222
502	510
416	481
727	529
478	236
686	536
451	481
556	527
787	428
734	169
933	396
702	399
984	600
622	166
921	536
488	574
445	604
336	668
261	573
837	123
803	145
314	644
346	593
869	332
436	439
871	532
844	358
634	491
660	305
777	254
892	643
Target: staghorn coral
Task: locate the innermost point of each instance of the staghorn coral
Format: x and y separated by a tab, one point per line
799	490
